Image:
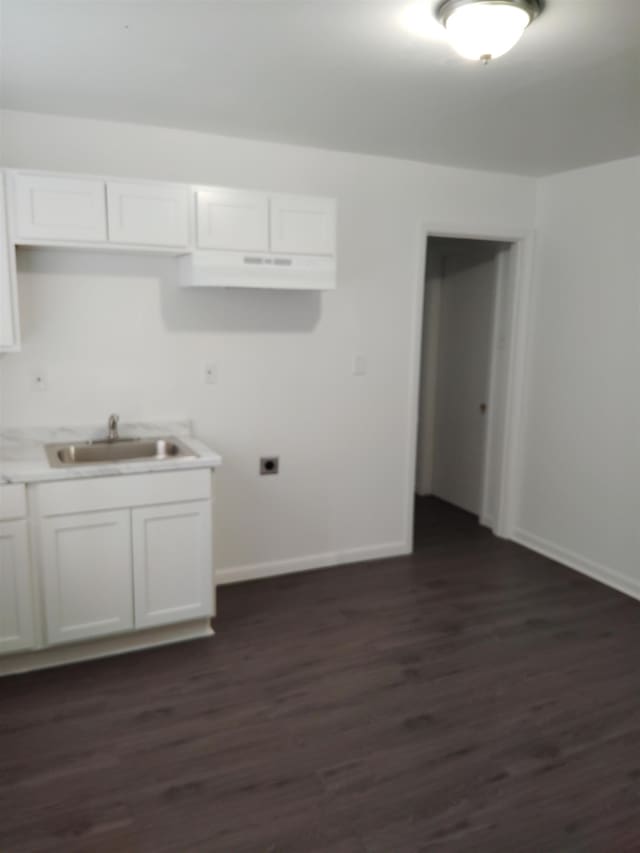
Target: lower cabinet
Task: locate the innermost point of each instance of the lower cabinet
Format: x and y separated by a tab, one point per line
127	553
16	598
172	563
86	565
101	558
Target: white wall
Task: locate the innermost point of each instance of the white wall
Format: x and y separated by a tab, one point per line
116	335
580	500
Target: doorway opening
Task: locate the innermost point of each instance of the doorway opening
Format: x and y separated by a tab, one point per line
466	347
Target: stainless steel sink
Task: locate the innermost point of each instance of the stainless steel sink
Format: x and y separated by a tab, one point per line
117	450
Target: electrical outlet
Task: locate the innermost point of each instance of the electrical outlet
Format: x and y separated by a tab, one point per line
210	373
39	381
269	464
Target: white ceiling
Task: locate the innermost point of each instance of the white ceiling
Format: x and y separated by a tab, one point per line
340	74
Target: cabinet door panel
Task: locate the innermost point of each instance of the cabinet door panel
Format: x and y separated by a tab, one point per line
232	219
60	208
9	325
87	573
303	225
147	214
13	501
172	563
16	602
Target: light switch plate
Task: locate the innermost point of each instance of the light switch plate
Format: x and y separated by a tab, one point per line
359	365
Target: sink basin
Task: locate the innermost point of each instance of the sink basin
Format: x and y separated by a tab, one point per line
119	450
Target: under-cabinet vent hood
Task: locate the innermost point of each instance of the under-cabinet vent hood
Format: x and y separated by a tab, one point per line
257	269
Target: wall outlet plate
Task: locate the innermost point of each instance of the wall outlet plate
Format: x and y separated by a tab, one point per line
39	380
210	373
269	464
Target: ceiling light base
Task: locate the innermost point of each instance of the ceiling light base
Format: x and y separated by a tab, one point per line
448	7
482	30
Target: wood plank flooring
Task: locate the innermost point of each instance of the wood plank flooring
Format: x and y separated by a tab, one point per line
471	697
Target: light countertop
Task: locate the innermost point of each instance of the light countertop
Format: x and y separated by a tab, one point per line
23	458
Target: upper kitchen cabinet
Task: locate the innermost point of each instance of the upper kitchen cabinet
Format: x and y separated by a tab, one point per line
303	225
259	240
234	220
9	325
59	208
222	237
148	214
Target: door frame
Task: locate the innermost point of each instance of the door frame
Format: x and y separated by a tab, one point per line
522	252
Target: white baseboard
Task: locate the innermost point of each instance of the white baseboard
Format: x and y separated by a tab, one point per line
310	562
254	571
596	571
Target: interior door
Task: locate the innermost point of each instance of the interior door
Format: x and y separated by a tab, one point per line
467	298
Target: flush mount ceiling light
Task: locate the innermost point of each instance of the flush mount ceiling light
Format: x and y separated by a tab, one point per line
486	29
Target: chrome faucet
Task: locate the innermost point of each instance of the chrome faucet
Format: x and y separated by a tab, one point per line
112	428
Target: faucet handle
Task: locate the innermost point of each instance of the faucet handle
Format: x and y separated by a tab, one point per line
112	427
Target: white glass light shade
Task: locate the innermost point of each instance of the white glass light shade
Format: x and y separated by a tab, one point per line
486	30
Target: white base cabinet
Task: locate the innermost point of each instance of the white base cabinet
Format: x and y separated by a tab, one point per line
16	596
125	553
119	562
172	563
86	573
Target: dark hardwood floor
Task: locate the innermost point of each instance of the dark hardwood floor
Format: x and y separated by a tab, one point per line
471	697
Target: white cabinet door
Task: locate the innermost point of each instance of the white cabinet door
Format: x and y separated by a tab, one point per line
232	219
16	601
87	574
9	327
303	225
147	214
172	563
59	208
